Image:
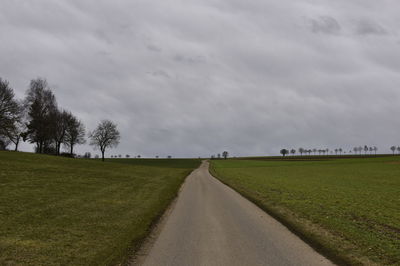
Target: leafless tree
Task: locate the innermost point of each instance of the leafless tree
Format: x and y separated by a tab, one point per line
4	142
40	102
11	112
284	152
59	122
75	133
366	149
225	154
106	135
293	151
393	148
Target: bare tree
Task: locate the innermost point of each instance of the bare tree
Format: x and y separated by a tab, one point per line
375	149
59	122
105	136
340	151
284	152
40	102
393	148
17	133
4	142
293	151
225	154
398	150
366	149
75	133
11	110
301	151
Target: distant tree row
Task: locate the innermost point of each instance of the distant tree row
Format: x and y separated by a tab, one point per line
224	155
366	149
394	149
339	151
38	120
304	151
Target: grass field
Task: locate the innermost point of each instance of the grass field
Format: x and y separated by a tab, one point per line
60	211
347	208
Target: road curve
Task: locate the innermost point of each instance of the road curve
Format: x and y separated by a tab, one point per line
211	224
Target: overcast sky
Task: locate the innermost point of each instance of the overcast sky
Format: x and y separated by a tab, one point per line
196	77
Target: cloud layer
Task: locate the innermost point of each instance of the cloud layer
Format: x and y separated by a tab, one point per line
194	78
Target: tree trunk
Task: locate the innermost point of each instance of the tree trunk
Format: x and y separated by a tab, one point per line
72	148
102	156
16	145
40	148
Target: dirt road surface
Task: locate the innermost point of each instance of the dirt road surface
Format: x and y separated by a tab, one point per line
210	224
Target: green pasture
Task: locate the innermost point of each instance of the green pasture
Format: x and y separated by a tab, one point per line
61	211
347	208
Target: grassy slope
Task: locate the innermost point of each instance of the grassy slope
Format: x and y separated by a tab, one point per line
58	211
348	208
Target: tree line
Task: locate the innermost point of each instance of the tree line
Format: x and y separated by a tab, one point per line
39	120
358	150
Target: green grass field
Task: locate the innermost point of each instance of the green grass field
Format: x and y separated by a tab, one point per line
347	208
59	211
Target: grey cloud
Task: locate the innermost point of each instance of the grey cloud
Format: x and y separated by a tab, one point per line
369	27
154	48
160	73
189	59
325	24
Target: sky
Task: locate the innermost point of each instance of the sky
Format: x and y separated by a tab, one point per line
192	78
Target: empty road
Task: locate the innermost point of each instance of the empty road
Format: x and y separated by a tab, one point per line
210	224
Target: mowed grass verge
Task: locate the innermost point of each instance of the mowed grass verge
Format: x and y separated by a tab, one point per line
348	209
60	211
